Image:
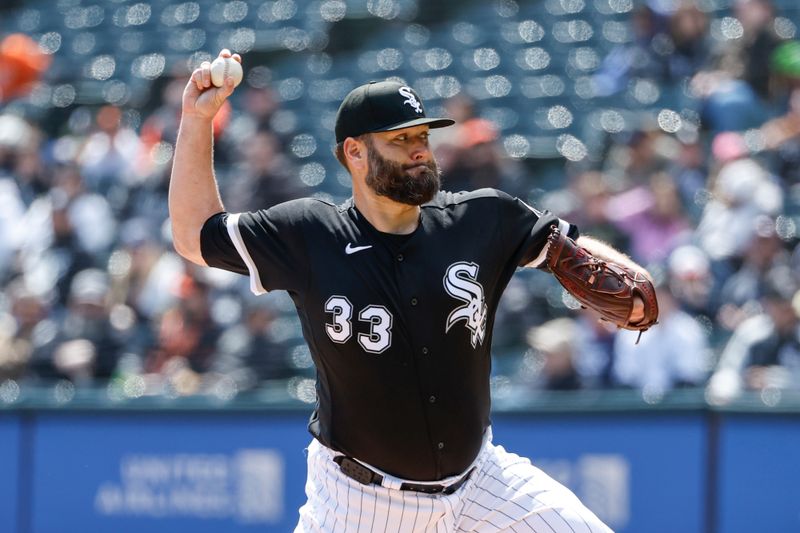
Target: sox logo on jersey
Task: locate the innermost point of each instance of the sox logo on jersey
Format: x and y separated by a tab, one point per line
461	282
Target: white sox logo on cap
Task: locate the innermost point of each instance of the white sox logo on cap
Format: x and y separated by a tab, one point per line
410	98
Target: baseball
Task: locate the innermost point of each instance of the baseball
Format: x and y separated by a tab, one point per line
225	66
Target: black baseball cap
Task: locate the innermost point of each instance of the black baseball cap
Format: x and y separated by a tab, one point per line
382	106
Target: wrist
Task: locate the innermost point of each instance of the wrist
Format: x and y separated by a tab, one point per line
191	116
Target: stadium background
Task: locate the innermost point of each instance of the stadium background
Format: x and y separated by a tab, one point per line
137	392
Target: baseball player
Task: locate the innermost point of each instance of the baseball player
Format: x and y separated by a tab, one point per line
396	290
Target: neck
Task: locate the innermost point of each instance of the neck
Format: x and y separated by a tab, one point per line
386	215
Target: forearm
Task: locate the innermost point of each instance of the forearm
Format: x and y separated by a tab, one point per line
193	192
605	252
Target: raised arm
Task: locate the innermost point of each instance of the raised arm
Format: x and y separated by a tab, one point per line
193	192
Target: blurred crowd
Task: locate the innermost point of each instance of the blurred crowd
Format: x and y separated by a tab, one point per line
94	294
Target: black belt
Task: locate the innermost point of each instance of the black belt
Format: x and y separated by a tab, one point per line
366	476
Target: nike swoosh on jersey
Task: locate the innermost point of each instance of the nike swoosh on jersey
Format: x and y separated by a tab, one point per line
350	249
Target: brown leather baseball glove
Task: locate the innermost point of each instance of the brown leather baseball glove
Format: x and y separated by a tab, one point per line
608	288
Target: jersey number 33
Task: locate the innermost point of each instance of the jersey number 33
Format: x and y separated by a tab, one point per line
379	318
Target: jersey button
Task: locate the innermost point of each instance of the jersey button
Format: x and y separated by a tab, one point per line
432	399
414	301
440	445
400	257
425	350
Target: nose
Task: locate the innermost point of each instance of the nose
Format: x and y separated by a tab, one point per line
420	151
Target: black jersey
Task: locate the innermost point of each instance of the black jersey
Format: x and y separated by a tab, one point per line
399	327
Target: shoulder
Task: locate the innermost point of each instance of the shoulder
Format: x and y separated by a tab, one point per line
487	196
312	205
481	202
296	211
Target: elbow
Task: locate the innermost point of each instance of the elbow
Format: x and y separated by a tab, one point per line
187	245
180	248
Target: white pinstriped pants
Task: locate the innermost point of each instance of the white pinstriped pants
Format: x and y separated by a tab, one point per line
505	493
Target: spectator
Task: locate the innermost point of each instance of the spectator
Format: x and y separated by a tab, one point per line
162	123
689	170
110	154
782	134
554	343
672	354
526	302
734	88
742	291
748	58
473	161
742	190
144	270
11	236
89	213
640	154
594	354
588	207
260	105
87	345
23	330
23	160
266	177
764	350
638	58
688	31
186	332
691	281
52	252
87	216
248	352
470	157
652	217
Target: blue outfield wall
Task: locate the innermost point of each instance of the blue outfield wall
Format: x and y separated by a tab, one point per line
623	467
234	472
759	474
10	458
239	471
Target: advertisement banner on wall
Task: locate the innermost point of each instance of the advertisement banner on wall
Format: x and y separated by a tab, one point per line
636	472
168	473
9	466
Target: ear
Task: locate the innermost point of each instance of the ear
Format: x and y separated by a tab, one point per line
355	152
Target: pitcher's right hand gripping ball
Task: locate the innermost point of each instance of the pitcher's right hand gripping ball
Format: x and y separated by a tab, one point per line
608	288
201	98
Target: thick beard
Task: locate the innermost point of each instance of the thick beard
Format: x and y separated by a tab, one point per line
391	179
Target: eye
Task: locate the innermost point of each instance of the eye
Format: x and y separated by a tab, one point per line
401	138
